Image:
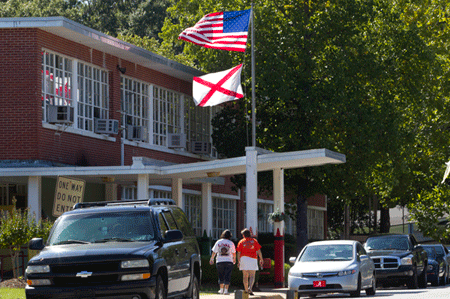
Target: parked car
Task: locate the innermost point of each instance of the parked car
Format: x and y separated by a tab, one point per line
141	249
435	269
398	259
336	266
442	255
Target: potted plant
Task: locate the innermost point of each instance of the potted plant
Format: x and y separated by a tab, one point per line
276	216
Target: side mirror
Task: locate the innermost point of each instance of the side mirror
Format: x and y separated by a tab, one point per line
36	244
292	259
173	236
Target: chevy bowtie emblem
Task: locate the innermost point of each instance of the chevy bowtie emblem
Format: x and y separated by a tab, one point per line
84	274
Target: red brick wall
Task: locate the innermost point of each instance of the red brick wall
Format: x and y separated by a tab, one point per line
20	94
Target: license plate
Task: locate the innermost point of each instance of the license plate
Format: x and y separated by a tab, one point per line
319	283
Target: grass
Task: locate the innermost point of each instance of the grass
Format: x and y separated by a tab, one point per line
6	293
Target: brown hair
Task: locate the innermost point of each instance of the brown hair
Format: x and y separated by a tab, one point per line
226	234
246	233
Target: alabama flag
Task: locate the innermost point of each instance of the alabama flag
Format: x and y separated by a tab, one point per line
213	89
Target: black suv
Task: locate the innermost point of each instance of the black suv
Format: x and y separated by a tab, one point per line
123	250
398	259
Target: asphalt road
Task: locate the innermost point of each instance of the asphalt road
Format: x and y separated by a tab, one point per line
442	292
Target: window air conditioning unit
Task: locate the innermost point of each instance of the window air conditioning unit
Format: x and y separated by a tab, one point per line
106	126
201	147
176	140
59	114
137	133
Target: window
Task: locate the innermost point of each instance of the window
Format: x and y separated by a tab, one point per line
315	224
224	216
93	95
264	225
56	81
135	101
92	89
198	121
182	222
193	210
166	114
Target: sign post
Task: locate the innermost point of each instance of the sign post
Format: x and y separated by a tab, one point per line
68	192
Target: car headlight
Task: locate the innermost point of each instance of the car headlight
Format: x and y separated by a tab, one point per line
346	272
38	282
134	264
407	260
139	276
295	274
37	269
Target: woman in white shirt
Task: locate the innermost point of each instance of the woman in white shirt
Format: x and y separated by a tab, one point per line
225	251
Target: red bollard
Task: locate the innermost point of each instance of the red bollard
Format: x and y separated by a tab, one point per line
279	260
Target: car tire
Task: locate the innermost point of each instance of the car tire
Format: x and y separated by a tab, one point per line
372	290
437	281
357	293
423	282
413	281
160	292
194	292
444	279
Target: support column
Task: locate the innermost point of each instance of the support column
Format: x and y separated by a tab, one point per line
34	197
207	209
177	191
279	227
142	186
252	189
110	192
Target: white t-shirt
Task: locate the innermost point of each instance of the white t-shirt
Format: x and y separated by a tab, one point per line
224	250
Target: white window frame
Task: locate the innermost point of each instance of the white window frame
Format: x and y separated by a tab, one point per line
135	101
57	79
224	216
167	116
193	210
264	226
93	95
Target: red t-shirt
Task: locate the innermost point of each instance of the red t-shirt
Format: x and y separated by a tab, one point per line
248	247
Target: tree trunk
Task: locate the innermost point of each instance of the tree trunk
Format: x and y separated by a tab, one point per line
385	221
302	214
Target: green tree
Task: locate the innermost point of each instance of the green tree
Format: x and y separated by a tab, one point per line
351	76
16	229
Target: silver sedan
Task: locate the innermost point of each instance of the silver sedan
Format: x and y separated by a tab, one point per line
338	266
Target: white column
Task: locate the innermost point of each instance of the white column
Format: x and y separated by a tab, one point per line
252	189
142	186
207	209
34	196
278	198
177	191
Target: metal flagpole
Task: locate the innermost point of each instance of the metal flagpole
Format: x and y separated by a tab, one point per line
252	159
253	83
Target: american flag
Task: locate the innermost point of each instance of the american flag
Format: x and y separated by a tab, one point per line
220	30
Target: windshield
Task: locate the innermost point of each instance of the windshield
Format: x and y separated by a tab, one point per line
317	253
387	243
430	251
95	227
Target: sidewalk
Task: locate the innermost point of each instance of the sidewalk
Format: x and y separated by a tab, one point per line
265	293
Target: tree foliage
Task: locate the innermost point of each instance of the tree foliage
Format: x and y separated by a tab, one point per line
362	78
16	229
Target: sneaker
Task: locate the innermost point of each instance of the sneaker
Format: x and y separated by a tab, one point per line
250	292
220	291
225	292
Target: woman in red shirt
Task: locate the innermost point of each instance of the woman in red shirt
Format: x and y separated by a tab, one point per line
248	250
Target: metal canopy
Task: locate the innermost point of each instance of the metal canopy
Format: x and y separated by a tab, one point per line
190	173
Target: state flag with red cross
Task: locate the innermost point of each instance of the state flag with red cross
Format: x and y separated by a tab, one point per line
215	88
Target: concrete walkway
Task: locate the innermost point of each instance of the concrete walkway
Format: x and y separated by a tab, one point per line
263	294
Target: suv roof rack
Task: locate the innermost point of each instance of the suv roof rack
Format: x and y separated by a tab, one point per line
149	202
